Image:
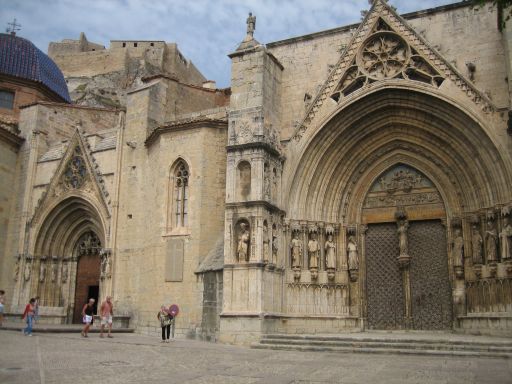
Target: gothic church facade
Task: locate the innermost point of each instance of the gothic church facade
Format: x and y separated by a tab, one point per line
352	179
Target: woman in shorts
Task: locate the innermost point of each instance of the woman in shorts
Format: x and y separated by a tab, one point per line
88	316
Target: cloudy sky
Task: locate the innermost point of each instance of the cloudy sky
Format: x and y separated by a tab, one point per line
205	30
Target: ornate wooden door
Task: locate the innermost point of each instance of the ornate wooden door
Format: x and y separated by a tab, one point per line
384	288
430	287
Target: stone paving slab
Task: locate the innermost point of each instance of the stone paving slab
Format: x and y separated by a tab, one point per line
133	358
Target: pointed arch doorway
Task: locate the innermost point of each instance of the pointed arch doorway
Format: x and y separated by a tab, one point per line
407	281
87	273
71	237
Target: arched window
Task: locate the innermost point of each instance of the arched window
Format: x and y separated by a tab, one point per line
181	194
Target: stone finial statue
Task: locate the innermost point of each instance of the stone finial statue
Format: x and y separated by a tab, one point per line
296	247
330	253
251	24
506	238
491	237
243	243
458	249
353	257
476	243
313	251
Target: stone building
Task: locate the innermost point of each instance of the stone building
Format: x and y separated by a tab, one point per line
351	179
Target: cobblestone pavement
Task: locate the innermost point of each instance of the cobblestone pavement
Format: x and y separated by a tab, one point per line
133	358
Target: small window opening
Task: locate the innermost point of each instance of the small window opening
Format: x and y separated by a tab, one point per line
6	99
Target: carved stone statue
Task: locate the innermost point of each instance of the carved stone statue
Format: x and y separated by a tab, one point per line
353	257
243	243
16	269
53	275
313	251
296	247
506	238
27	271
476	243
330	253
64	276
266	244
251	24
275	247
458	249
42	271
403	225
491	237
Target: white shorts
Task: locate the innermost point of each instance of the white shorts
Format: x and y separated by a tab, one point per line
87	319
106	320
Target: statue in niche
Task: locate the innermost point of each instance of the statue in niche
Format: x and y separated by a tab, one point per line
458	249
491	237
330	253
42	271
313	251
296	247
16	269
27	271
476	243
275	247
506	237
243	243
353	257
403	225
64	277
266	244
53	275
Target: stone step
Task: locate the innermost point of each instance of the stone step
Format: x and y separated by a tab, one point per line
397	351
416	345
388	339
420	344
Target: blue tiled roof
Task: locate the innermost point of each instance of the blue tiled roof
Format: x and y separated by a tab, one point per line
20	58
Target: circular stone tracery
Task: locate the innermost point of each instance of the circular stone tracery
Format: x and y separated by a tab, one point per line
74	176
383	55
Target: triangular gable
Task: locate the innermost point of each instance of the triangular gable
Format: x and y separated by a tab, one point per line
77	173
386	47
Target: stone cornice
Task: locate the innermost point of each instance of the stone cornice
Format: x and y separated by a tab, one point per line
199	122
254	203
254	145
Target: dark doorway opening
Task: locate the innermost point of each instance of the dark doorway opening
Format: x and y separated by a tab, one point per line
94	293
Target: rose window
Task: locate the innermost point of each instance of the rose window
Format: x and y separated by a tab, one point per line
74	175
383	56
